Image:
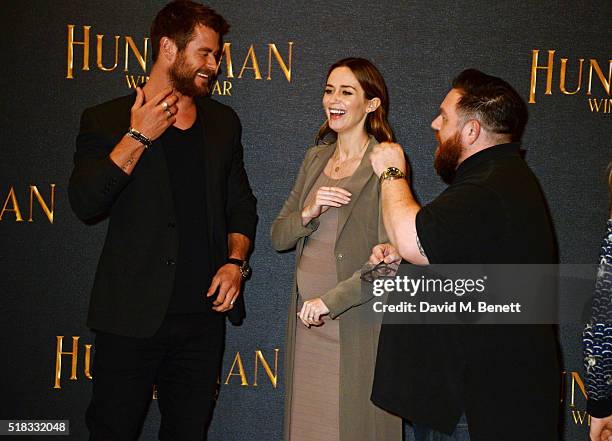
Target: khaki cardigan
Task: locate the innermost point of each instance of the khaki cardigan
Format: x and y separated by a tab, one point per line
360	227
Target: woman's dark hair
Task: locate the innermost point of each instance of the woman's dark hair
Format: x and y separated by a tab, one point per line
373	85
492	102
177	21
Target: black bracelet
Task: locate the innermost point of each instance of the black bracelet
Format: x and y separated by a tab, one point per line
135	134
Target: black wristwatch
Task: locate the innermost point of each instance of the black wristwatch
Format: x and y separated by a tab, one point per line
245	268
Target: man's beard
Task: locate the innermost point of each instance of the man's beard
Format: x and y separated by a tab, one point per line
183	78
447	157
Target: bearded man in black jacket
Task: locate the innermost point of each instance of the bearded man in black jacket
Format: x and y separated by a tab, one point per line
165	166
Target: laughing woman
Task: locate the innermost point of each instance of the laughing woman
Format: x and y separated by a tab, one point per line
332	219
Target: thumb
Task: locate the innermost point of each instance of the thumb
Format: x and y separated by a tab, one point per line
139	99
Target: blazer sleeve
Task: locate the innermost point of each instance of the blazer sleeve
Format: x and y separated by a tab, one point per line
287	228
350	293
241	204
96	180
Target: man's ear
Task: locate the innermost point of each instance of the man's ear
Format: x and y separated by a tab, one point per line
167	49
471	131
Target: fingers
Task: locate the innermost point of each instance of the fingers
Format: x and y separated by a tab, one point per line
229	282
213	286
378	254
167	104
326	201
153	117
139	99
338	190
384	252
226	293
311	313
303	321
173	109
228	301
303	315
391	254
161	96
333	196
387	155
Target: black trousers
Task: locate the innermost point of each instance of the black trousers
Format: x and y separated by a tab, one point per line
183	359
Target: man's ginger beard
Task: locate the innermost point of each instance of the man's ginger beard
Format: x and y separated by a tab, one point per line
447	156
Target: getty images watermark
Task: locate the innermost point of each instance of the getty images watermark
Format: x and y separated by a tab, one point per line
483	294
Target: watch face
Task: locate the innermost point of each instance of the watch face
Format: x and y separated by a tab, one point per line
245	270
392	173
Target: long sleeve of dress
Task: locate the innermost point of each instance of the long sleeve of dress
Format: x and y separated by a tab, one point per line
597	337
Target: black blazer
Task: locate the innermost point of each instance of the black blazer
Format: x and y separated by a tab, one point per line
135	275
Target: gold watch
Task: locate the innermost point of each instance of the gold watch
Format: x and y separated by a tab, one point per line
392	173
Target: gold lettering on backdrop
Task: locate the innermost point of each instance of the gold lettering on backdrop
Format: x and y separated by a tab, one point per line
577	380
71	43
254	65
534	74
241	373
237	368
581	417
133	81
140	52
286	70
87	368
99	53
603	105
13	199
562	80
141	58
225	91
49	213
58	359
226	53
605	83
272	376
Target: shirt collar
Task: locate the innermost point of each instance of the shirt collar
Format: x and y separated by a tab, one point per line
488	154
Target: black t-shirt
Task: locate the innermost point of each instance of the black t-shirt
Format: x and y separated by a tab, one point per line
494	212
184	151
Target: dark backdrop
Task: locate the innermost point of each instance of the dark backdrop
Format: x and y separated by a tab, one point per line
48	268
